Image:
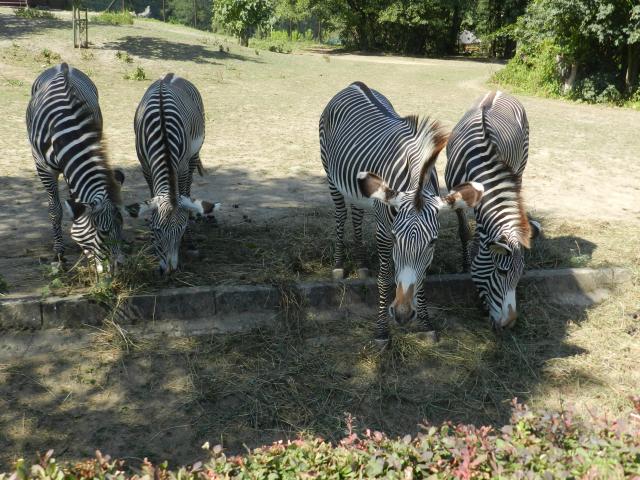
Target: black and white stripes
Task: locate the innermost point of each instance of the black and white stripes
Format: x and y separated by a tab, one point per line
64	125
371	153
489	145
169	126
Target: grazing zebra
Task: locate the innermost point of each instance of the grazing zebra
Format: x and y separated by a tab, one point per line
490	145
169	126
371	153
64	125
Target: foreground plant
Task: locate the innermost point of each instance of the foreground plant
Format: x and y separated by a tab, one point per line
533	445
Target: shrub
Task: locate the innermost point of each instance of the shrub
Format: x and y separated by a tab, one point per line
137	74
48	56
597	88
124	56
4	286
545	445
533	73
113	18
33	13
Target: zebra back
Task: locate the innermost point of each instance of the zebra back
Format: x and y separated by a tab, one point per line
169	125
360	131
64	124
490	145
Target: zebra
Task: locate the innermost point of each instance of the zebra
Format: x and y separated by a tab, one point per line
169	125
64	126
490	146
375	158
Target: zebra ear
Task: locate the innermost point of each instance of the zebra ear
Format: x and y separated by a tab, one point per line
372	186
136	210
199	207
465	195
118	175
74	209
536	229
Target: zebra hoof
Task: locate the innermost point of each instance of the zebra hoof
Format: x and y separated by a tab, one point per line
337	274
363	273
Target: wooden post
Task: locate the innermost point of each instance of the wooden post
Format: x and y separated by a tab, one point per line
163	17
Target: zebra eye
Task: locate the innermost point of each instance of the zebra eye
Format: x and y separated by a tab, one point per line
502	271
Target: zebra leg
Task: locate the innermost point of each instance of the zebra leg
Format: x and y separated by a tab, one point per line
385	289
50	182
341	218
425	325
361	255
465	237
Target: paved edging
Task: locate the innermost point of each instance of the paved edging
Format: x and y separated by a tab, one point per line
581	286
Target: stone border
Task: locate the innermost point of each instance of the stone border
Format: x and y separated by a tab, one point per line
217	305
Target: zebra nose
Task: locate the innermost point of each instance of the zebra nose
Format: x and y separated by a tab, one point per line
402	313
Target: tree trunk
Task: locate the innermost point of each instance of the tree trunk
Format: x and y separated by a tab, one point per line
571	79
454	30
244	38
633	61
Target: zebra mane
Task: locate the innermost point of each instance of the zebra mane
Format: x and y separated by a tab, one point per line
84	112
510	185
432	138
173	177
522	227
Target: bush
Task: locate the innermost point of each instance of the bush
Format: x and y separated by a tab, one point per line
124	56
137	74
113	18
533	73
4	286
33	13
48	56
545	445
597	88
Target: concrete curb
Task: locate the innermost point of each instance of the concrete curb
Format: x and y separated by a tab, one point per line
216	306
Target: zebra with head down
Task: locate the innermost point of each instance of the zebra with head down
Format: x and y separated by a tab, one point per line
64	125
169	126
375	158
490	146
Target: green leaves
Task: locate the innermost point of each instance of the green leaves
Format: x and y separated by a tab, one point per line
543	445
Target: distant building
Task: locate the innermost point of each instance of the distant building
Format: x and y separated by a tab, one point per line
468	42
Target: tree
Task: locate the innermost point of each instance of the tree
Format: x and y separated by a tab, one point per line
598	39
242	17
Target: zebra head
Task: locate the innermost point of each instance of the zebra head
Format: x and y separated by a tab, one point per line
497	268
97	227
414	226
168	221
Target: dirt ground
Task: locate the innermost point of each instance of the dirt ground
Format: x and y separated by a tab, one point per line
151	395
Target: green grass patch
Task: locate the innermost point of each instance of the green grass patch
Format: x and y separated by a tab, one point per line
33	13
279	41
113	18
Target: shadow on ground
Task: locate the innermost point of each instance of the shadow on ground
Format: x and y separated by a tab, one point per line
135	395
160	49
13	27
